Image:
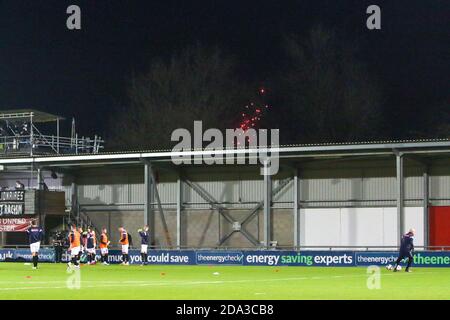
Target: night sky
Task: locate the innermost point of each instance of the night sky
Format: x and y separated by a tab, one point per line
84	73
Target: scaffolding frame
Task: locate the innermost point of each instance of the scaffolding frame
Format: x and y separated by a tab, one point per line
27	138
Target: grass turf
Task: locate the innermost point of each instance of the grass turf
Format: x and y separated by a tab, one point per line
51	281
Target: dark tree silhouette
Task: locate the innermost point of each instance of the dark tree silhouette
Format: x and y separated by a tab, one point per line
197	84
327	94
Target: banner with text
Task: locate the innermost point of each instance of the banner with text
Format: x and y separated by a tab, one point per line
14	224
251	258
24	255
12	202
421	258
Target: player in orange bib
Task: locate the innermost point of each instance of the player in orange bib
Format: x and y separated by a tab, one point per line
75	242
82	243
104	243
125	244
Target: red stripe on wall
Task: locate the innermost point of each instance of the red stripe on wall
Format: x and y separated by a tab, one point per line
439	226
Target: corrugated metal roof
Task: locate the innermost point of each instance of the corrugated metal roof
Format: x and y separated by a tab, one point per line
282	149
327	144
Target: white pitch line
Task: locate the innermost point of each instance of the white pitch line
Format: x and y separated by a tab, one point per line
183	283
150	284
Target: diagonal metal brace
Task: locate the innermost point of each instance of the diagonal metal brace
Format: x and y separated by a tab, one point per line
275	192
222	211
158	201
253	213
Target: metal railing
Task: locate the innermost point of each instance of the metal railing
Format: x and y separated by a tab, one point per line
20	144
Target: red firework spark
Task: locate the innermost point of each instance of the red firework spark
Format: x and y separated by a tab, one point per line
253	113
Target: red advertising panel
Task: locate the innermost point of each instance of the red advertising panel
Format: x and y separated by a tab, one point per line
440	226
14	224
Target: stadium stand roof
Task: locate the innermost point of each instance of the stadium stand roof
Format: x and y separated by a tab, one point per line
418	147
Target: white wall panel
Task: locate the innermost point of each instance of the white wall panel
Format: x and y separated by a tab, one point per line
390	233
361	226
357	226
321	227
414	219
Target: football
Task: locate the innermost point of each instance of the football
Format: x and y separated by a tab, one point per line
398	268
389	267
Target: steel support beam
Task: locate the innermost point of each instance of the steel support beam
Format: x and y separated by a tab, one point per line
57	135
242	230
400	196
267	205
204	195
74	200
296	210
260	205
40	198
179	210
39	179
149	213
222	211
426	195
31	134
158	202
161	212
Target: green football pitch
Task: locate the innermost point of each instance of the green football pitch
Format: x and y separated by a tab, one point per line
52	281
